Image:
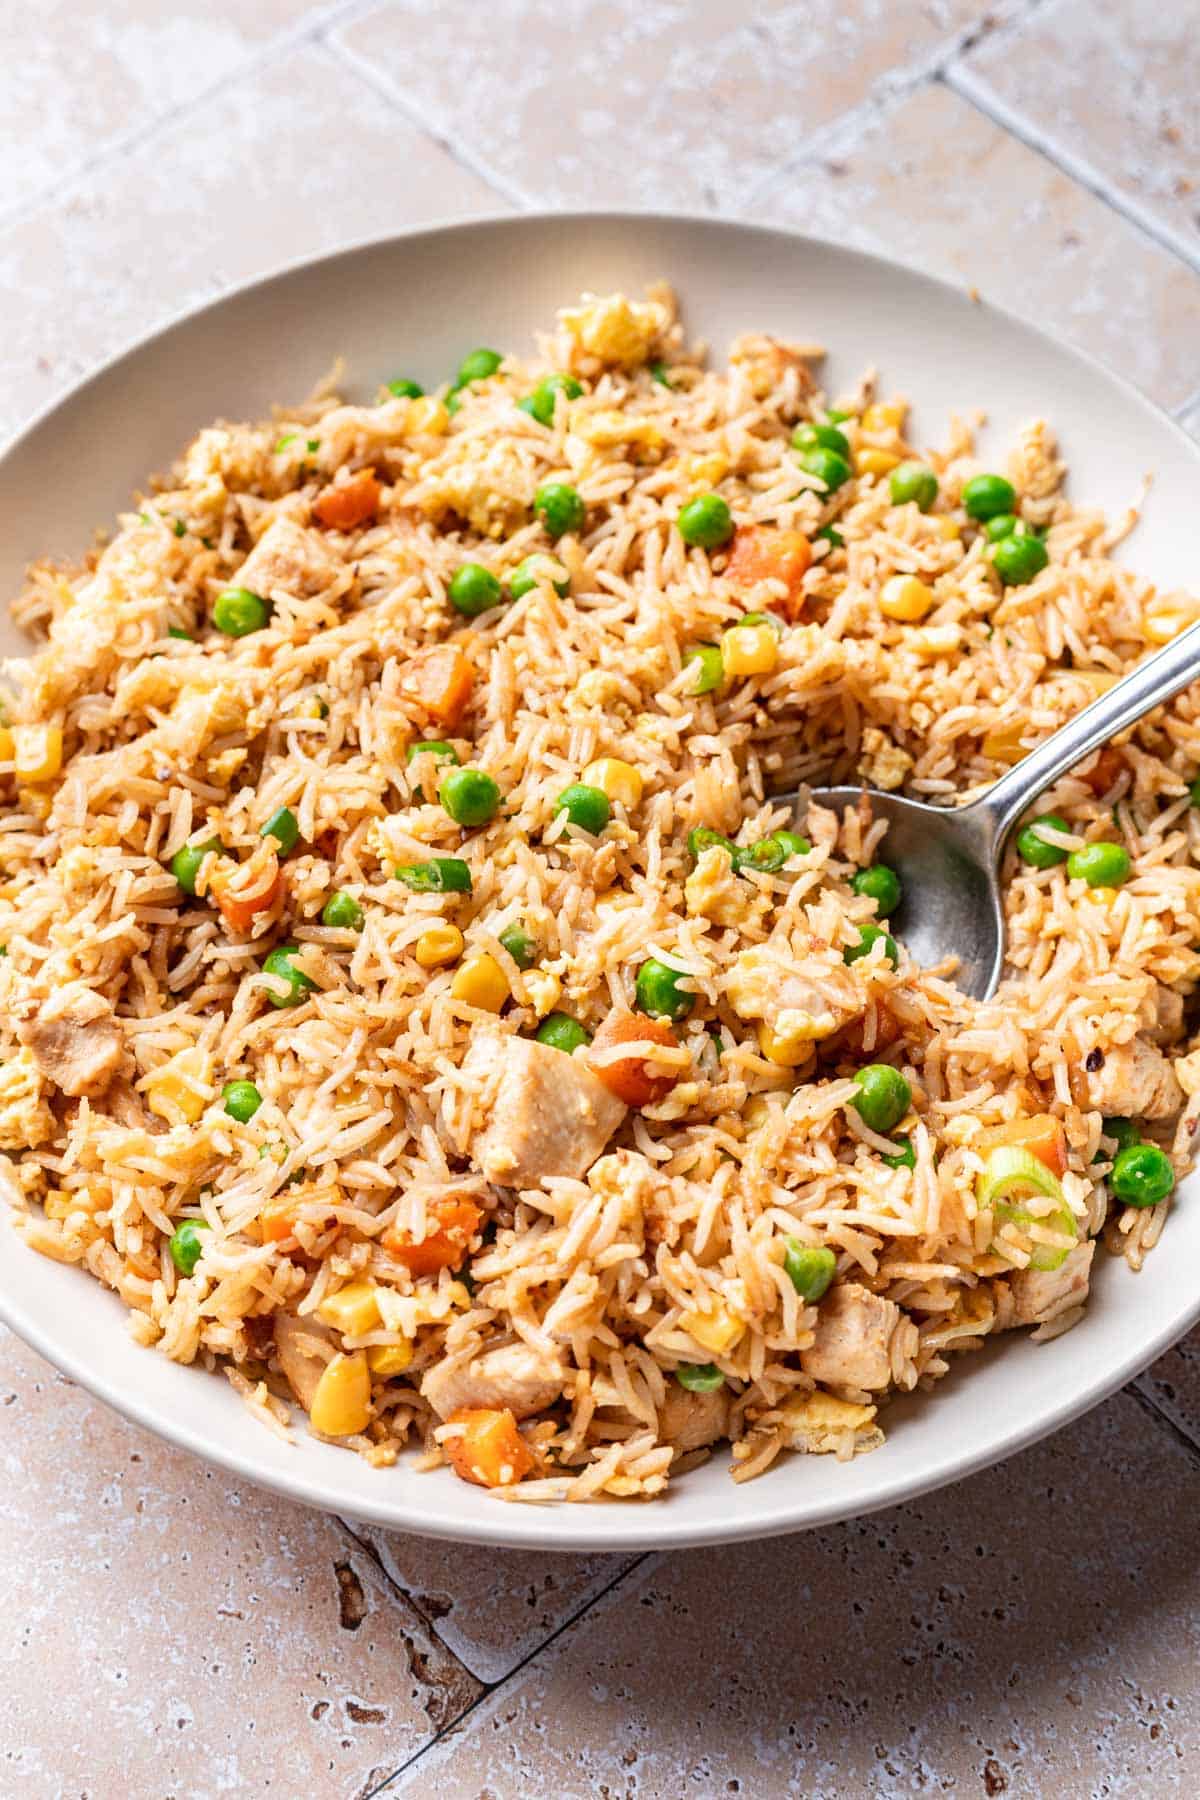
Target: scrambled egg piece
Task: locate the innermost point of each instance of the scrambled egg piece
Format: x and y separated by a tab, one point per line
821	1425
620	333
492	491
884	764
713	891
25	1119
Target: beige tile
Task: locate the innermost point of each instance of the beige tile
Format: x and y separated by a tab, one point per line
933	182
492	1607
1114	87
85	76
298	158
1033	1631
170	1632
643	102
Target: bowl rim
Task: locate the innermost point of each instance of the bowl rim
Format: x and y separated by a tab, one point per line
612	1526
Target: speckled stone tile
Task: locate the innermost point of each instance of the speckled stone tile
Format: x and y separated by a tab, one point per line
1173	1385
1029	1632
87	75
644	102
1190	419
168	1632
933	182
492	1607
1112	87
299	157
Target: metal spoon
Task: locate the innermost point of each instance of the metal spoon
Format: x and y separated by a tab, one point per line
948	859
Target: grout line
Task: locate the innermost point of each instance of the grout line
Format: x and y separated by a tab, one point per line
647	1561
376	1560
387	90
1154	1411
976	91
308	28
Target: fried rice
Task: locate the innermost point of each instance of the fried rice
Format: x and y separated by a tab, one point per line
552	1155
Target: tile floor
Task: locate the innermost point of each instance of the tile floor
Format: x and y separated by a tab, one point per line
1031	1632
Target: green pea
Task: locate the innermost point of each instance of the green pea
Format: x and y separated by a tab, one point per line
440	875
883	1096
821	437
404	389
706	522
659	994
1019	558
282	826
341	912
280	964
700	839
986	495
519	945
880	884
540	404
242	1100
185	864
469	796
1194	791
699	1378
562	1032
1034	849
585	806
837	415
559	507
810	1268
175	631
474	590
771	853
1001	525
1142	1175
905	1157
1123	1132
185	1244
525	576
1100	865
238	612
478	366
709	665
868	936
660	373
828	466
913	482
831	536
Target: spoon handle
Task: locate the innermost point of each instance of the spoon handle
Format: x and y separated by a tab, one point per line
1160	677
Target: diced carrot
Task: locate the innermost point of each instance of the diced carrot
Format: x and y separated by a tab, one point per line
441	680
769	553
277	1221
1042	1135
242	890
349	504
489	1451
1104	771
630	1077
452	1223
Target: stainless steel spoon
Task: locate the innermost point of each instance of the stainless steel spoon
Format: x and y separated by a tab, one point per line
948	858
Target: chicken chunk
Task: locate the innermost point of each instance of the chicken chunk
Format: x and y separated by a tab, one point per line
289	559
1134	1081
693	1421
547	1114
76	1041
513	1377
799	998
853	1339
303	1346
1039	1295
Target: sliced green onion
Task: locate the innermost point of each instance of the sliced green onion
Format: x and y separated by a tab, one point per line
1013	1173
699	1378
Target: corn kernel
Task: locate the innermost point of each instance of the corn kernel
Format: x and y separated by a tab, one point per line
180	1090
1004	743
342	1401
482	983
716	1329
946	526
872	461
428	415
6	744
389	1359
749	650
439	945
884	416
352	1310
705	469
787	1050
619	780
37	752
905	597
544	990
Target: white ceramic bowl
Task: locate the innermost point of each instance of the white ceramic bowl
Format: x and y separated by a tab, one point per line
415	304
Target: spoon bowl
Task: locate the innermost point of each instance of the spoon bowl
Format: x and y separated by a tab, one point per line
948	858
